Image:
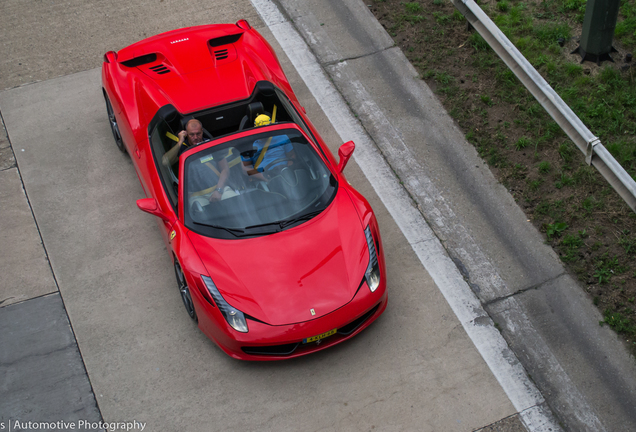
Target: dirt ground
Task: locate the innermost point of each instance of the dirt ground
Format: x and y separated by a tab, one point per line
584	220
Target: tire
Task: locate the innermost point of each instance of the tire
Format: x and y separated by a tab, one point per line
184	291
112	120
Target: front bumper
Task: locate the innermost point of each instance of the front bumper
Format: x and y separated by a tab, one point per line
267	342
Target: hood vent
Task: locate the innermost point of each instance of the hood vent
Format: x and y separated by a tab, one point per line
224	40
221	54
222	48
160	69
141	60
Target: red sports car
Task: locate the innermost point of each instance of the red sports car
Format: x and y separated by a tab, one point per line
275	254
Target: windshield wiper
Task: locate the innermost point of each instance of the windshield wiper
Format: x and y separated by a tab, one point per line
276	224
303	217
281	224
235	231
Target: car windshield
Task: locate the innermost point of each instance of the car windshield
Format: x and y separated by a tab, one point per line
256	185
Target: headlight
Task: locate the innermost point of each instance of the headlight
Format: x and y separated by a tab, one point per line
233	316
372	275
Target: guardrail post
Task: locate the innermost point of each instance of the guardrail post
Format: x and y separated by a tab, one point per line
590	150
598	30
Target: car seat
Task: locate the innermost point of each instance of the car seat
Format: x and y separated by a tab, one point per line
253	110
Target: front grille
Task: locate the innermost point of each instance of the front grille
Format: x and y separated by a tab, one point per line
288	349
281	350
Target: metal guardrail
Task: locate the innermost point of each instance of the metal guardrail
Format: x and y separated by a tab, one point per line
595	153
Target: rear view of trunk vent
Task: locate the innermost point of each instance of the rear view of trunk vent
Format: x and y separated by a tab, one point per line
221	54
160	69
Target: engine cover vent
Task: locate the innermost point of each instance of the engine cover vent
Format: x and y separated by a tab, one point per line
141	60
222	49
224	40
160	69
221	54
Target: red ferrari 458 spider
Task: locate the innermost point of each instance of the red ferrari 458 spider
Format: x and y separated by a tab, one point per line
275	254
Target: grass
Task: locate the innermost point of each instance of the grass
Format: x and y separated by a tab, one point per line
555	229
626	29
606	267
610	106
620	323
605	102
544	167
571	245
564	180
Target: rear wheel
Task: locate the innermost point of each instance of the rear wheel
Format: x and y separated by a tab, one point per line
113	125
182	284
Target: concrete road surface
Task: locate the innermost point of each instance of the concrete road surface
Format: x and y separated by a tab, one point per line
414	369
74	241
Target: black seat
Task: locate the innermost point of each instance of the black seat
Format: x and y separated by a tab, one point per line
253	110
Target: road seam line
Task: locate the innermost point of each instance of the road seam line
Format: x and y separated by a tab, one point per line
48	260
334	62
523	290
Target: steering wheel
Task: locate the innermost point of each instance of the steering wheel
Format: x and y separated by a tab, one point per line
276	161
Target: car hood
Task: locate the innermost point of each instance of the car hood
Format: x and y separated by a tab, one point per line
279	278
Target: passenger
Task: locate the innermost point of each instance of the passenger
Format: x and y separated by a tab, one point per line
207	174
270	155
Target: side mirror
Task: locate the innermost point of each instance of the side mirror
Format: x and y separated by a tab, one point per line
345	151
150	205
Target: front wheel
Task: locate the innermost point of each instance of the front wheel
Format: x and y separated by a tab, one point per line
113	125
184	291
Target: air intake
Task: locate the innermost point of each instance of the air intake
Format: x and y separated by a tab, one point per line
224	40
159	69
221	54
141	60
222	49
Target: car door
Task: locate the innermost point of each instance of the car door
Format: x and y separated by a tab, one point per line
164	184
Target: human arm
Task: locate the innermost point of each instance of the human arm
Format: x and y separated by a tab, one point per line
247	164
172	155
225	172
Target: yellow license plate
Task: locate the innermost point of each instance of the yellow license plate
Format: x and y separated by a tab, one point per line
320	336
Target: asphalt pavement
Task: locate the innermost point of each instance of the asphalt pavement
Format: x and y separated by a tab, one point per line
93	328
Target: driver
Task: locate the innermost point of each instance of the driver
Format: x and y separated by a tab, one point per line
207	173
273	153
193	133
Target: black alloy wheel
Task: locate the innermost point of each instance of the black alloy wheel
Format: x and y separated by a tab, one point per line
182	284
113	126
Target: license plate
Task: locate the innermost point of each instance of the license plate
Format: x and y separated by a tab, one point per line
320	336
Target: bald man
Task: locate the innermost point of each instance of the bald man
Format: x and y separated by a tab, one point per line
191	136
194	135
